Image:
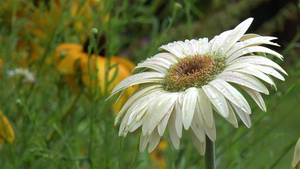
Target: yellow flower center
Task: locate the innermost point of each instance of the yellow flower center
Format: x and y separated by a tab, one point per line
193	71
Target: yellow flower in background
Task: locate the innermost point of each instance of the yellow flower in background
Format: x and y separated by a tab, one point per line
97	62
67	65
6	131
75	62
83	14
156	155
296	158
41	23
81	17
1	62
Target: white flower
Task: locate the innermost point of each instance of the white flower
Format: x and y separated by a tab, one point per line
27	76
182	87
296	159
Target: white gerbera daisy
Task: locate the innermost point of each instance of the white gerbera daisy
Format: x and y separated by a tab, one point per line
182	87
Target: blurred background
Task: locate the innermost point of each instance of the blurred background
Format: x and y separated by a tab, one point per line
59	61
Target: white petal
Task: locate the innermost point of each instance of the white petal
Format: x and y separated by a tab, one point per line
145	77
145	102
216	98
175	48
140	92
206	108
210	132
256	70
200	146
130	121
244	80
189	105
181	98
134	121
184	48
178	117
142	103
232	118
256	97
172	129
296	157
160	64
122	130
248	36
134	126
197	126
203	46
188	46
143	142
237	33
153	141
243	115
158	108
269	71
252	42
251	70
259	60
159	67
167	56
192	46
161	127
199	47
252	49
217	43
231	94
136	112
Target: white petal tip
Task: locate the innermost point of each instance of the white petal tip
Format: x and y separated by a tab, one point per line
186	126
249	20
248	125
150	150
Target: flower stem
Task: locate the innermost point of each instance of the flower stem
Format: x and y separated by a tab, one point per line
209	154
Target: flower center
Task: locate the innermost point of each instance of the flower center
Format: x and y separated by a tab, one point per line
193	71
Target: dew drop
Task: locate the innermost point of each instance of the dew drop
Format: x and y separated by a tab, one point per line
213	96
220	104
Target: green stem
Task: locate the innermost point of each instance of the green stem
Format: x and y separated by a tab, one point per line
285	151
209	154
65	114
92	91
90	152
